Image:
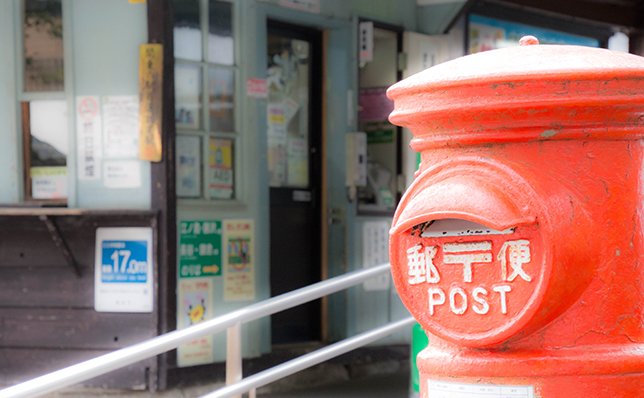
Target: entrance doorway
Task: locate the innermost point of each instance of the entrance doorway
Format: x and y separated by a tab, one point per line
294	80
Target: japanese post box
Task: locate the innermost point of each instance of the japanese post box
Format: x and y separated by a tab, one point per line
518	247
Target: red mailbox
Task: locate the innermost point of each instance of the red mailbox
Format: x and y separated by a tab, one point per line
519	245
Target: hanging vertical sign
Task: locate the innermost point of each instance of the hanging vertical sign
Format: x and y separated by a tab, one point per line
123	277
199	248
239	268
150	101
88	137
366	41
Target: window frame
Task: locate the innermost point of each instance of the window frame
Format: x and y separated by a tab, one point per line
23	98
204	132
397	175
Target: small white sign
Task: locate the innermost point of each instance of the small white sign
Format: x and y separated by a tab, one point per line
122	174
88	137
302	5
375	251
458	390
123	276
366	41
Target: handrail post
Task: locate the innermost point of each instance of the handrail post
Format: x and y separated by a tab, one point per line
233	355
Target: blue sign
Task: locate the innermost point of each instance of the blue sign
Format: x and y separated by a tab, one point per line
124	261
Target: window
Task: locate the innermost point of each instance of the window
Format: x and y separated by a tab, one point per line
384	156
43	101
206	75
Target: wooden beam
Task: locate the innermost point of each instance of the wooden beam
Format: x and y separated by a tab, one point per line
611	13
164	200
324	257
61	244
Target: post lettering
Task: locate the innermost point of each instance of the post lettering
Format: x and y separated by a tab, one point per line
452	300
476	295
436	297
502	290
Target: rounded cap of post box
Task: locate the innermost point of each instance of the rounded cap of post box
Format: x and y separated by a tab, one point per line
526	93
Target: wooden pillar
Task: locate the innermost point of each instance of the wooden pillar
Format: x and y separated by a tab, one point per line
160	30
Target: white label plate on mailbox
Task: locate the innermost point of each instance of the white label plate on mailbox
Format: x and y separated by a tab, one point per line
441	389
458	227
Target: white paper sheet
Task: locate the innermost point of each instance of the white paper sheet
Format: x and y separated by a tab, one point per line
122	174
121	126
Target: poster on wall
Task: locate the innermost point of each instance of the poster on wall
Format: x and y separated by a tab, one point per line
195	306
88	137
297	156
48	182
199	248
121	126
221	169
123	277
277	141
374	105
239	257
490	34
188	159
375	251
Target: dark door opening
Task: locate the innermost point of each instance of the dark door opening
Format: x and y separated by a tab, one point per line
294	108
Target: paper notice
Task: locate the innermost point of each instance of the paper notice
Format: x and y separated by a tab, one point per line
121	126
375	251
122	174
88	137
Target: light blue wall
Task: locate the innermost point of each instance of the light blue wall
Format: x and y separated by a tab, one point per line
399	13
434	19
101	56
10	168
106	39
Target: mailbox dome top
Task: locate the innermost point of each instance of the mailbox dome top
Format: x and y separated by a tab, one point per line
523	63
530	92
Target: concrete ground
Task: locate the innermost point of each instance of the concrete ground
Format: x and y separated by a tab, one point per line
380	372
390	386
394	385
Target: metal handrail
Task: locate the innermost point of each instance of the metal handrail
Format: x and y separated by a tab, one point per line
126	356
306	361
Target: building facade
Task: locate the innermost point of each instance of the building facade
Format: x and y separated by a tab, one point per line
250	153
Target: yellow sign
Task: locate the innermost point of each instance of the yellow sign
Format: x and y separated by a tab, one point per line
150	93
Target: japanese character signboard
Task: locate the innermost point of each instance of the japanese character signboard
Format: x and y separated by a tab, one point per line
123	280
199	248
150	92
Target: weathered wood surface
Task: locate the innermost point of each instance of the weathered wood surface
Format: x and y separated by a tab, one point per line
47	316
18	365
